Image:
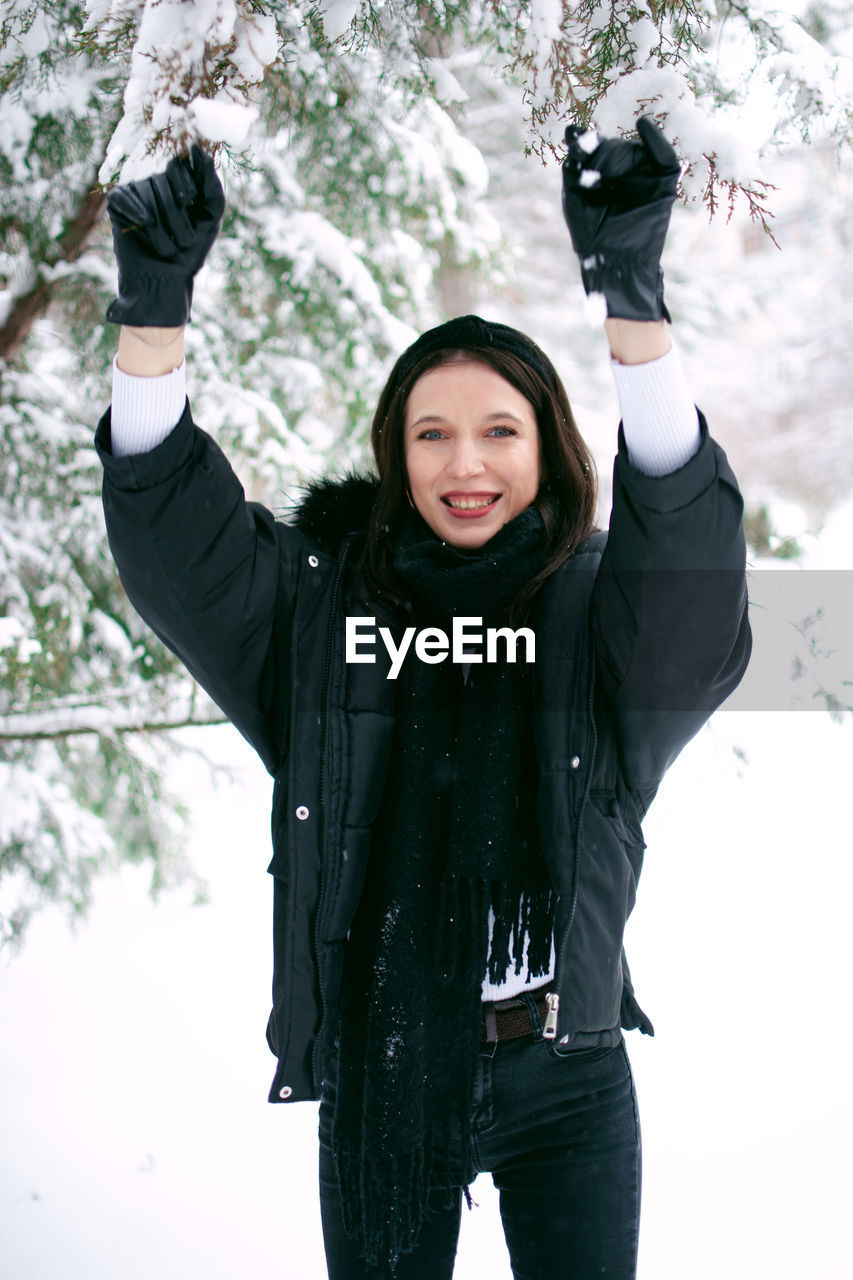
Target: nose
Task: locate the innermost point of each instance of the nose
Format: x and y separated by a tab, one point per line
466	460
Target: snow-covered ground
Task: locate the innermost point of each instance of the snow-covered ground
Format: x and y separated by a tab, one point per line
135	1135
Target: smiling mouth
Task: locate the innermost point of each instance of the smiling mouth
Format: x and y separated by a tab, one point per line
478	503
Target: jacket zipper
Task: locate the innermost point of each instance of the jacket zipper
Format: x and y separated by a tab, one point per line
553	1008
324	733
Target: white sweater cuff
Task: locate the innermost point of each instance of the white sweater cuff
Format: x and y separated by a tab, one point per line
145	410
659	418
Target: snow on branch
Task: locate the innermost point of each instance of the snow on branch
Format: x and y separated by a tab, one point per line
193	66
690	65
114	713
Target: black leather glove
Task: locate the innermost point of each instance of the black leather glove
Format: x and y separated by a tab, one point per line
618	222
163	228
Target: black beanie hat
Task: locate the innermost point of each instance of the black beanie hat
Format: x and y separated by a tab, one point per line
471	331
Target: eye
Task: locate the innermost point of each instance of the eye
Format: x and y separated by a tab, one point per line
430	433
502	432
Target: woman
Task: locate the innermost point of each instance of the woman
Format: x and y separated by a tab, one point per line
456	823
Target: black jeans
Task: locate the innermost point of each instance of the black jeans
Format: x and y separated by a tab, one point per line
560	1135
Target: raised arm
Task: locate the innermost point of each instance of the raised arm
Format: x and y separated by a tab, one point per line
671	629
212	575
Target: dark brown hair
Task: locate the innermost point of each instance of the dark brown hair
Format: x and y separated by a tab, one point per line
567	494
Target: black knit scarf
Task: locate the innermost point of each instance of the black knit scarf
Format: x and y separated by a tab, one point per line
455	836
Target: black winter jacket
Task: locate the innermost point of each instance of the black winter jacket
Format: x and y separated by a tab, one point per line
639	636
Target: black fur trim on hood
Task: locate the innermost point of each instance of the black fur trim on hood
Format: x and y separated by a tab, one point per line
330	509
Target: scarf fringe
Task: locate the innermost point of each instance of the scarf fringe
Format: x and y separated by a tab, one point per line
536	925
520	919
385	1205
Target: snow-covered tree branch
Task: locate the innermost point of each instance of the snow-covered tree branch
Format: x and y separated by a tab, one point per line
696	67
112	712
692	64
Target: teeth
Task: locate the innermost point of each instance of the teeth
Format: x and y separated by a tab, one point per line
469	504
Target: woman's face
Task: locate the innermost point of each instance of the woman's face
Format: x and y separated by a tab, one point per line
472	451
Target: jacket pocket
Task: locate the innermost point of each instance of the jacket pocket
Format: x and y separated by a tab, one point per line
625	827
609	861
